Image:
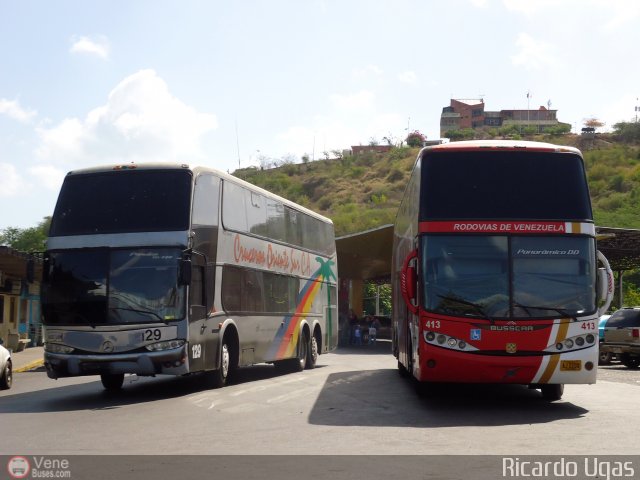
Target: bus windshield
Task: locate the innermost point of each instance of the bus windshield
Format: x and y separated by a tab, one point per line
123	201
100	286
508	277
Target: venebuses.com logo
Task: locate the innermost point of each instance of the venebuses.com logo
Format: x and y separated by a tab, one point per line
38	467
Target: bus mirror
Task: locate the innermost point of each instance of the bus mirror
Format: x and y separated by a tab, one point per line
408	282
603	281
184	273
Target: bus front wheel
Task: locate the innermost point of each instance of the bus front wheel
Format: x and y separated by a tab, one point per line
220	376
552	391
112	381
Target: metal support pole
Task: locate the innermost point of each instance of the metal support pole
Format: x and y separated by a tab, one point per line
620	290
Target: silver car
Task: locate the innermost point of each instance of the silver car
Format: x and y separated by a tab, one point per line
6	370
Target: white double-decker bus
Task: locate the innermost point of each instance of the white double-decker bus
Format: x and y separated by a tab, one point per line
166	269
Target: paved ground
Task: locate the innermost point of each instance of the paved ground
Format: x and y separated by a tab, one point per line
27	359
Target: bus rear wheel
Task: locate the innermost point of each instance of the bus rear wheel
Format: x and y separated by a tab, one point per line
312	353
552	391
112	382
297	364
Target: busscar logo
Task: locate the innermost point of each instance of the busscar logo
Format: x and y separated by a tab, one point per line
511	348
18	467
511	328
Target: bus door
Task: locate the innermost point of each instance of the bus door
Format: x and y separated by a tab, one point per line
197	315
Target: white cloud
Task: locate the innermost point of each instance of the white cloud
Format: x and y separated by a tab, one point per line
141	121
48	176
353	119
622	12
408	77
12	109
11	183
533	54
479	3
621	109
355	101
611	14
369	71
97	46
530	7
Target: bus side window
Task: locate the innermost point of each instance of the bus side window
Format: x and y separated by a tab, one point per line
231	278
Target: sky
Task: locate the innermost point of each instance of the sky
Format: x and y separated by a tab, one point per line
230	84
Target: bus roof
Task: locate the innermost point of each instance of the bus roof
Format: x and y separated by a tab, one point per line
196	171
501	145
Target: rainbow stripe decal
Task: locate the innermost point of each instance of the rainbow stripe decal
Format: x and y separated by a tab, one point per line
286	340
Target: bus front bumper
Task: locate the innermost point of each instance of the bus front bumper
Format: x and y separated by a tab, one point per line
168	362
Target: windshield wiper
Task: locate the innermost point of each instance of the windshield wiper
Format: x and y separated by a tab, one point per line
477	307
558	310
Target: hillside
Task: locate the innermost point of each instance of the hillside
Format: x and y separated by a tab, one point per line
363	191
357	192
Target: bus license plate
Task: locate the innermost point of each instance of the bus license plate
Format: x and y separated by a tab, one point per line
570	365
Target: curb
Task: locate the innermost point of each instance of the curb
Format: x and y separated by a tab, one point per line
29	366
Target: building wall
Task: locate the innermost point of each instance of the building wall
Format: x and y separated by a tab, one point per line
466	114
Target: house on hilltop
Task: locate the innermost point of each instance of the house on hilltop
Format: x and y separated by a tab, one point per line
471	113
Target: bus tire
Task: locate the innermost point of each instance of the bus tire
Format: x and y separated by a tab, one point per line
630	361
298	363
404	373
112	382
220	376
312	352
552	391
605	358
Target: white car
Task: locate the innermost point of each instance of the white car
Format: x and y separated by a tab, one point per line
6	371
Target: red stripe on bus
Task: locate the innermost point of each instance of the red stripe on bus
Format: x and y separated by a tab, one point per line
474	226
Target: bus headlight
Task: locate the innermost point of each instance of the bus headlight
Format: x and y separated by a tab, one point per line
57	348
570	344
166	345
445	341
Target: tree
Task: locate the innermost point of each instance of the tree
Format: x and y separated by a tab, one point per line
593	123
627	131
29	239
416	139
369	302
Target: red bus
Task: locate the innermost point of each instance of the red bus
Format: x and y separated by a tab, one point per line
495	272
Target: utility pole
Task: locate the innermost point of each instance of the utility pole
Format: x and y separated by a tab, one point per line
528	97
238	144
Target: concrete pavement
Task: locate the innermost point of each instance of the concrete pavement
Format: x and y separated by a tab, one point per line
27	359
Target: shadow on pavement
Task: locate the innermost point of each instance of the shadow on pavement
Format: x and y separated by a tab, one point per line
382	398
381	347
92	396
